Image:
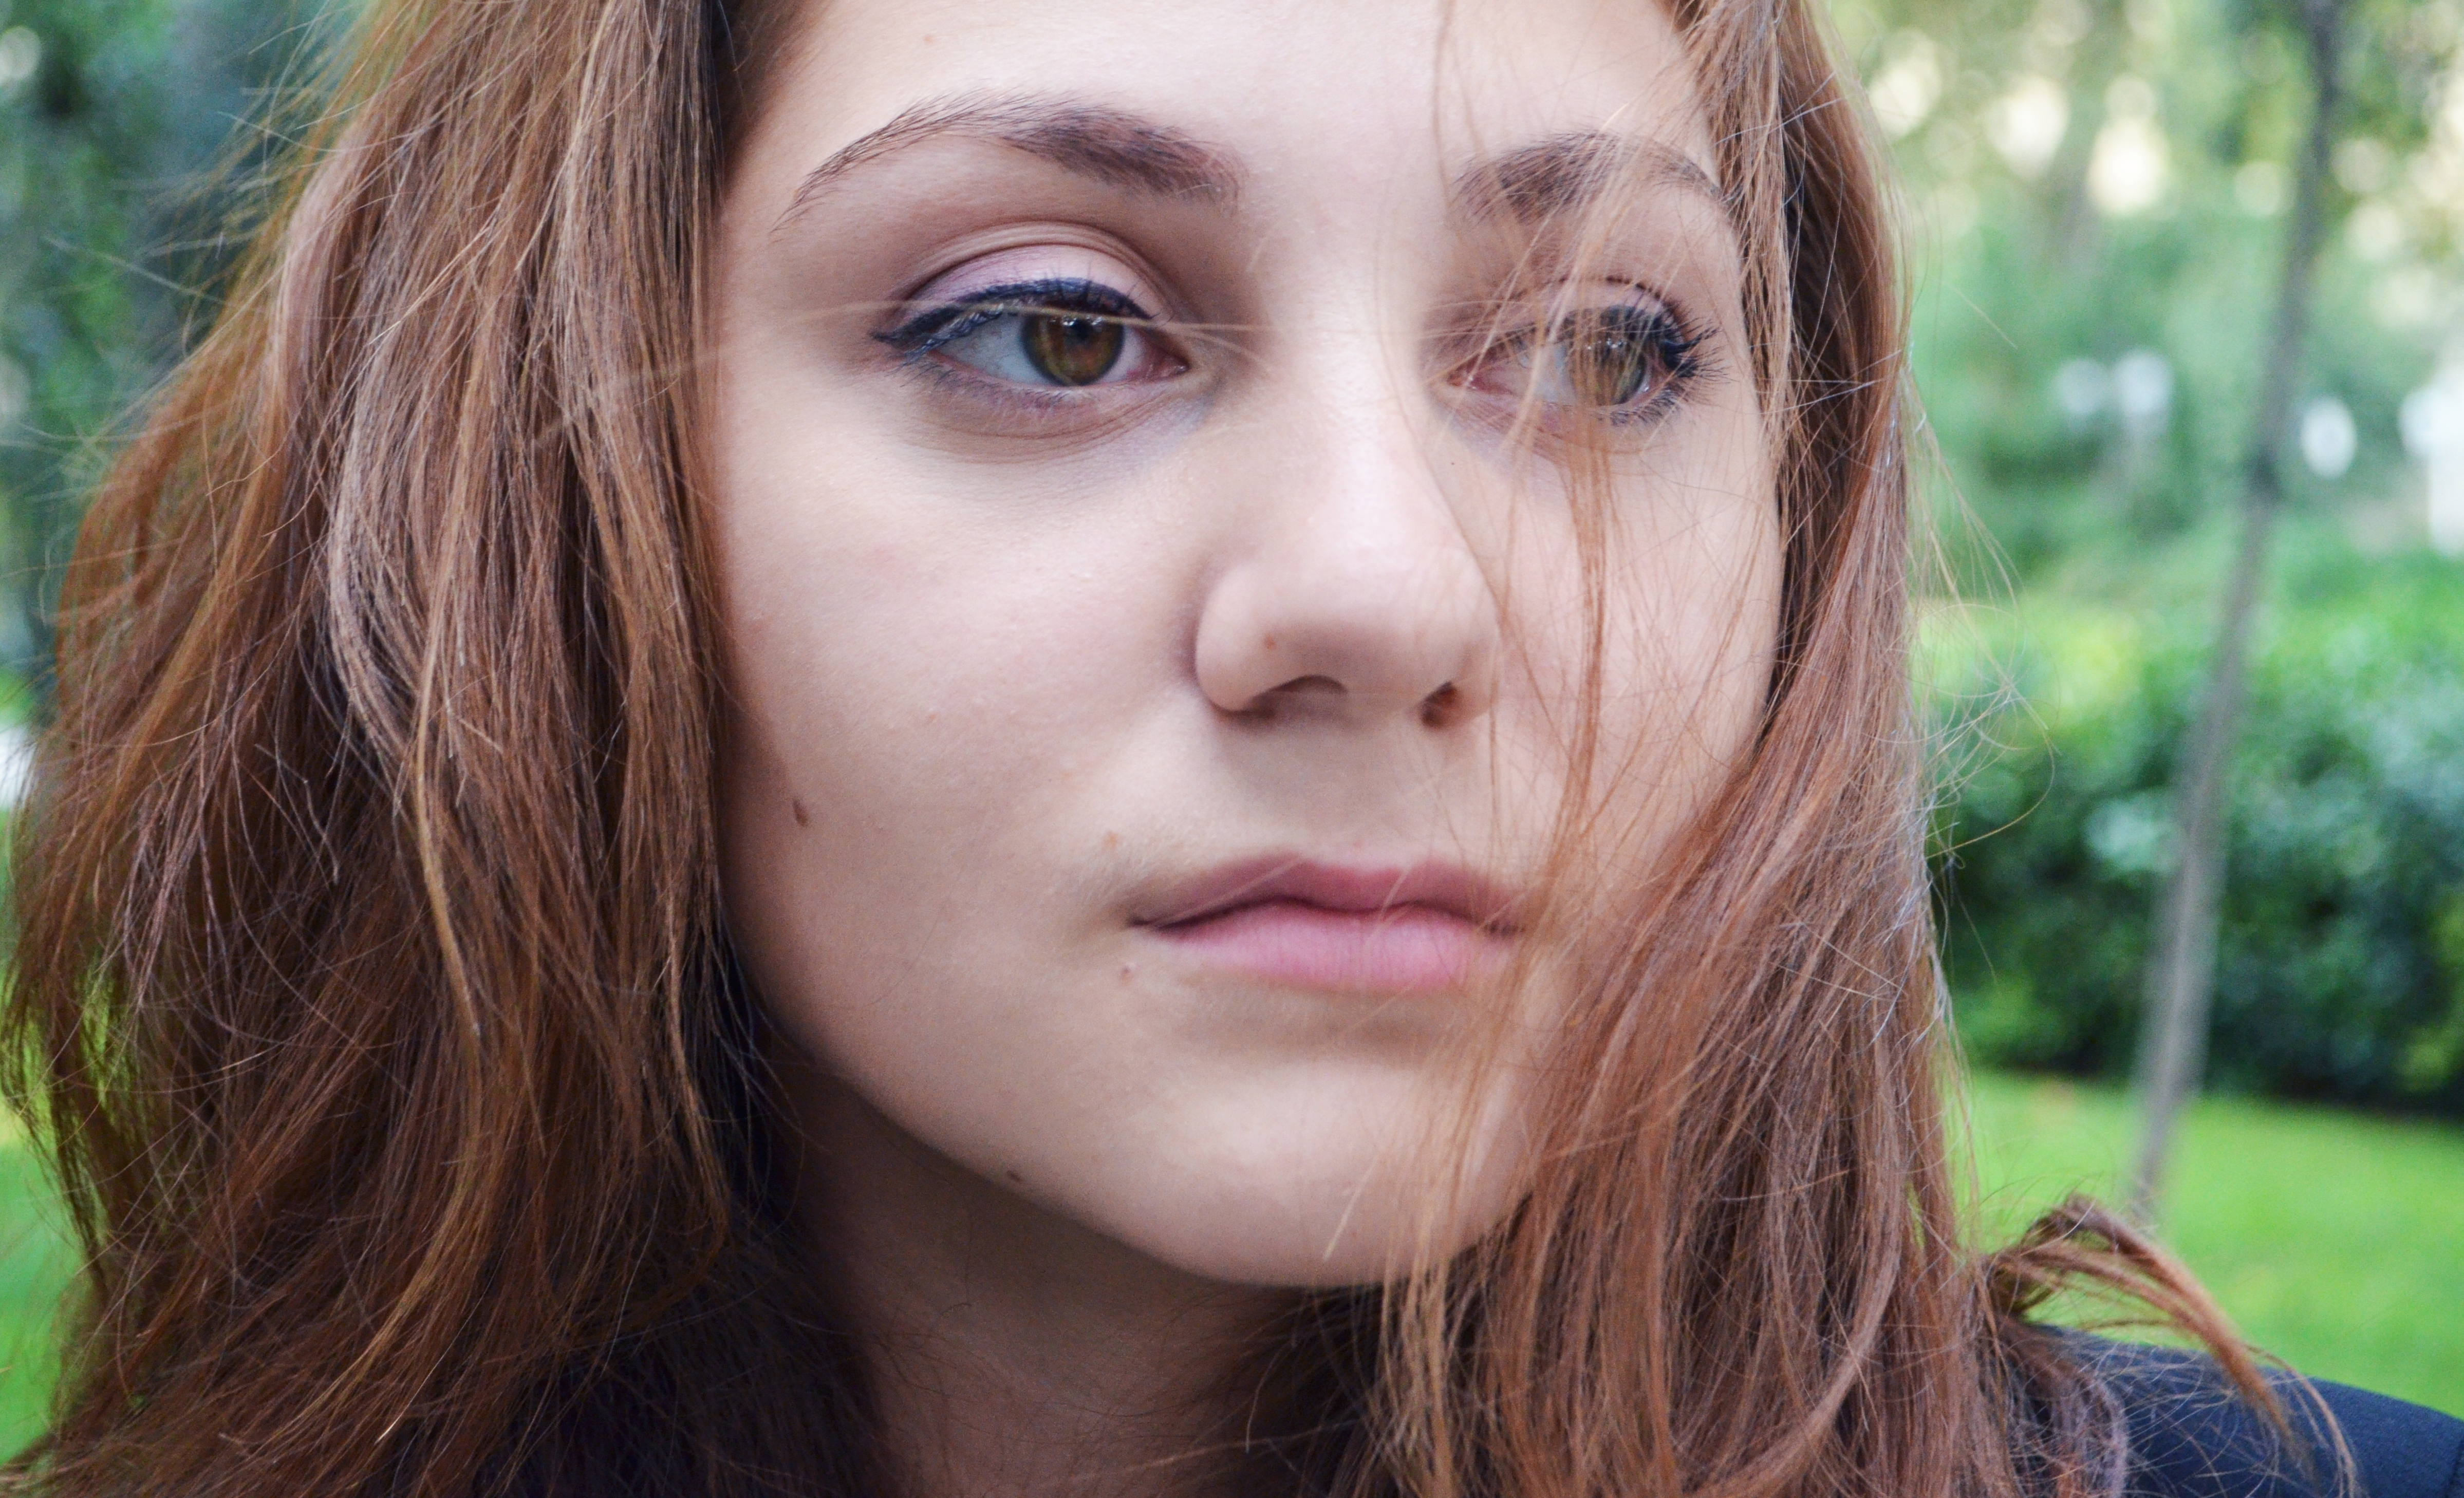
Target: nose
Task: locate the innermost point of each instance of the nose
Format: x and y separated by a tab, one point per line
1349	588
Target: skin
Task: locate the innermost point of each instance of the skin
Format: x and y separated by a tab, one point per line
1012	667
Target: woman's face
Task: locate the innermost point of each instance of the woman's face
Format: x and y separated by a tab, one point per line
1146	446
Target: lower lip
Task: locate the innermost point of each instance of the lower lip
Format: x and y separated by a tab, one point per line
1409	949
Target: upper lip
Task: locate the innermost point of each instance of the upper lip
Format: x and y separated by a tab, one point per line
1365	888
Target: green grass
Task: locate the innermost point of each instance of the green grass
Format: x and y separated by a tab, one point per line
2336	1239
35	1261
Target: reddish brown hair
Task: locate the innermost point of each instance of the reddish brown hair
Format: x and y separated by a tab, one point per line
371	983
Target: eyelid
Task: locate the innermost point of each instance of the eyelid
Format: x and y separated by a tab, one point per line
1054	265
1550	308
944	321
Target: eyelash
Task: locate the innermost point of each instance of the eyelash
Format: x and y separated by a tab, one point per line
936	328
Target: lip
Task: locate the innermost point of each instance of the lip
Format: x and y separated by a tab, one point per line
1426	927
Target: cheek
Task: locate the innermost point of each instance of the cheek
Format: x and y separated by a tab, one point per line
1689	565
913	659
909	687
1699	619
911	701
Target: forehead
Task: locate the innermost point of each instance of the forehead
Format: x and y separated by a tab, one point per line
1344	96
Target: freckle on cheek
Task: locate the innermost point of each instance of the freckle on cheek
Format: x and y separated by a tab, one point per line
803	817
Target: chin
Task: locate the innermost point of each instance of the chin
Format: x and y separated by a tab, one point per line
1322	1224
1330	1255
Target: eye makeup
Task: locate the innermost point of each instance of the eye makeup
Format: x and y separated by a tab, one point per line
929	330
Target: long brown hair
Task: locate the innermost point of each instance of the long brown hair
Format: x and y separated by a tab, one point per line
371	983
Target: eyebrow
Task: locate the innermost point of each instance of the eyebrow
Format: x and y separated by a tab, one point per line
1533	184
1110	145
1570	173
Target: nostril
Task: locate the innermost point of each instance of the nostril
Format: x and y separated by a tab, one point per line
1263	708
1438	708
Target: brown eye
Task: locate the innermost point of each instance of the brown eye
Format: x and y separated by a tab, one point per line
1605	363
1054	335
1618	361
1073	350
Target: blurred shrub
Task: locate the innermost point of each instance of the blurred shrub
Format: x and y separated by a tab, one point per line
2341	968
121	163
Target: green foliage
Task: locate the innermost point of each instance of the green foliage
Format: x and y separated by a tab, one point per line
2093	181
120	166
2341	969
2087	179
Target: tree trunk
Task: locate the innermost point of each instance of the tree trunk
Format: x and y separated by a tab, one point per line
2181	976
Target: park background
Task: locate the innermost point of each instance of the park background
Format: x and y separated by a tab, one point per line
2096	195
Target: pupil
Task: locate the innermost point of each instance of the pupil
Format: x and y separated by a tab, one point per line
1610	366
1073	350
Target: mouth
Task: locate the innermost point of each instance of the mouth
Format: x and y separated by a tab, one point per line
1334	928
